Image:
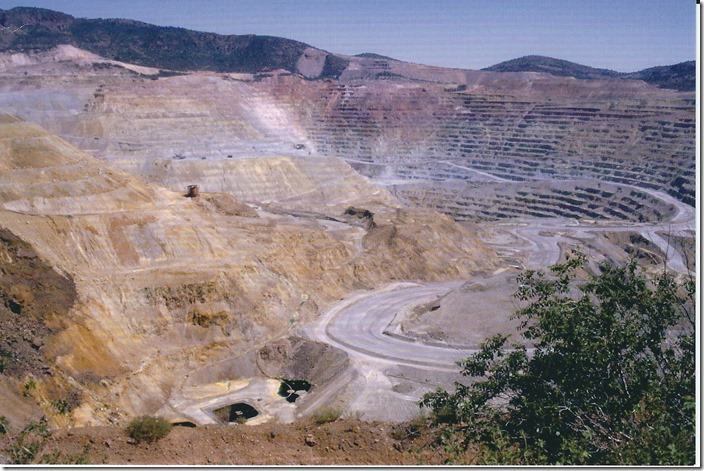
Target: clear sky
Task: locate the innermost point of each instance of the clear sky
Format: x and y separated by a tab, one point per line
623	35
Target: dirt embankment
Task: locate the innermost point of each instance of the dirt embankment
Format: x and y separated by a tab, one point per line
34	305
35	301
342	442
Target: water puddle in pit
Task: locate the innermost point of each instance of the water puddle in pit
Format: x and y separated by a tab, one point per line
238	413
291	388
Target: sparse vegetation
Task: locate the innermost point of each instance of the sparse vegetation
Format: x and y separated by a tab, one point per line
67	403
4	425
199	297
148	429
28	387
31	292
26	447
334	66
165	74
326	414
610	380
5	359
678	76
411	429
60	458
167	48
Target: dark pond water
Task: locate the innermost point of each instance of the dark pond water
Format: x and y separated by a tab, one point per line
238	412
290	388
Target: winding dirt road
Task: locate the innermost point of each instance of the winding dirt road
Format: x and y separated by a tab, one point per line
543	235
357	325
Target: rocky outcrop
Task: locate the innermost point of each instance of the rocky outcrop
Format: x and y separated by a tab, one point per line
35	302
403	242
301	359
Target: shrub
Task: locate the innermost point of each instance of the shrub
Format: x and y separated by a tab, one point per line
28	387
68	403
4	425
26	447
325	415
5	359
411	429
610	379
148	429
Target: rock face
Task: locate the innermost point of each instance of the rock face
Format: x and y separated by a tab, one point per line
169	287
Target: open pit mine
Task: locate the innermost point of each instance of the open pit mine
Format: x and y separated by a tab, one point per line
345	240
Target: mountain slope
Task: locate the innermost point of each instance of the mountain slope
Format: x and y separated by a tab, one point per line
680	76
34	29
549	65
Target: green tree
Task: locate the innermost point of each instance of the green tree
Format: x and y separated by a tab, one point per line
610	376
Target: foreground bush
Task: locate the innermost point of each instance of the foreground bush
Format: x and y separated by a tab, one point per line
28	444
326	415
148	429
610	380
28	447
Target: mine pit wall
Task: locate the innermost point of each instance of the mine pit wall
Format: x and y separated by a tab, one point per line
35	304
167	286
635	135
319	364
138	340
427	134
571	199
476	127
323	184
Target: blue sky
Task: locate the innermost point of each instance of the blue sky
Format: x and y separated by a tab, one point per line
624	35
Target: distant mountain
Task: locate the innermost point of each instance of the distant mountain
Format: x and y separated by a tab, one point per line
549	65
371	55
26	29
35	29
680	76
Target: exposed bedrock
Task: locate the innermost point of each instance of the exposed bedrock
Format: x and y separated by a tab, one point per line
570	199
169	287
298	358
429	134
466	126
322	184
